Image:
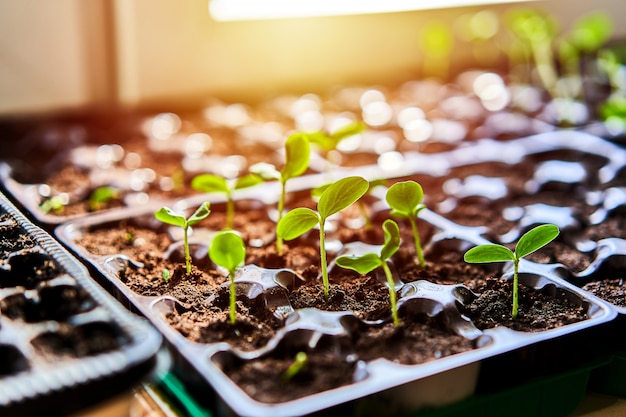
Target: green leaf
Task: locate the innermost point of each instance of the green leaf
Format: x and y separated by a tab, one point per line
297	153
362	264
228	250
405	198
489	253
591	31
297	222
248	180
346	131
168	216
209	183
392	239
340	195
201	212
535	239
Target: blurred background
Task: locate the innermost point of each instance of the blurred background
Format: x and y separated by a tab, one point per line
74	54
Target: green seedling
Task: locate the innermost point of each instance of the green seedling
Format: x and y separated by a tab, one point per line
405	199
335	198
297	154
329	141
228	251
531	241
166	275
210	183
367	263
55	204
168	216
101	196
299	362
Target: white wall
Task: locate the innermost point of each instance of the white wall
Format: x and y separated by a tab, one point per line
71	53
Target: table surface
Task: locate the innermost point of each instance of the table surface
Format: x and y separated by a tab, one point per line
138	403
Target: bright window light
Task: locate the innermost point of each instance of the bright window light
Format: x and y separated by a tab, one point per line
276	9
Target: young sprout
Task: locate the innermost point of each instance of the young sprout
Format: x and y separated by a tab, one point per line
367	263
228	251
209	183
297	153
530	241
299	362
166	274
101	196
55	204
335	198
405	199
168	216
328	142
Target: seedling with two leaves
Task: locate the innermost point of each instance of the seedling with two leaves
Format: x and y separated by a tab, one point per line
405	199
530	241
365	264
168	216
336	197
297	153
210	183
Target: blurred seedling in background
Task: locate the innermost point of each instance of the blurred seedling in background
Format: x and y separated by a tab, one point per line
210	183
168	216
368	262
297	154
336	197
102	196
530	241
54	204
329	142
405	199
299	362
228	251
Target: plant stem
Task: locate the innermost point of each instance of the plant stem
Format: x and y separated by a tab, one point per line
186	247
233	299
361	206
418	245
392	294
515	285
323	260
281	207
230	212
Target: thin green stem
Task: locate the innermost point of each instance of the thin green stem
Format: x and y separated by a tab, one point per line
366	219
323	260
299	362
281	207
233	299
515	291
186	247
418	245
392	294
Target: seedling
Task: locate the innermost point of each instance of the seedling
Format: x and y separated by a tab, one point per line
209	183
297	153
55	204
166	274
405	199
365	264
530	241
335	198
168	216
329	141
101	196
299	362
228	251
